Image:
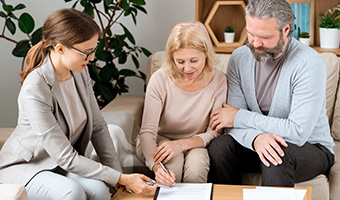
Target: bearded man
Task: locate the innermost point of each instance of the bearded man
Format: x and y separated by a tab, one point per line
275	115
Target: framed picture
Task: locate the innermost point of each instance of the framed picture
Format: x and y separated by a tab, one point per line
304	18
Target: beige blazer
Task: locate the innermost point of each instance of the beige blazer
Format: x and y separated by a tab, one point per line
41	140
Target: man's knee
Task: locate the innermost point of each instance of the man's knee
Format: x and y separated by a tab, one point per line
221	146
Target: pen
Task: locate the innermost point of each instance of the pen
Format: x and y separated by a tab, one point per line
153	182
160	163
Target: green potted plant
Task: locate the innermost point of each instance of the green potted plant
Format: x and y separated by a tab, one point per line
229	34
113	50
304	37
330	28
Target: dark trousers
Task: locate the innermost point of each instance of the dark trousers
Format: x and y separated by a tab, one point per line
228	159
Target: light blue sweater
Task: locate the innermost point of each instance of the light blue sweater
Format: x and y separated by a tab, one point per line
298	109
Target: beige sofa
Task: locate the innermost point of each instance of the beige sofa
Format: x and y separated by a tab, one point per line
126	112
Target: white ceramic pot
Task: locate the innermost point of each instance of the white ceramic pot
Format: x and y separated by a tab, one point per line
329	38
229	37
305	41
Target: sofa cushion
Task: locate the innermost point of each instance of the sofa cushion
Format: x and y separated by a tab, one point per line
12	192
132	104
4	134
332	64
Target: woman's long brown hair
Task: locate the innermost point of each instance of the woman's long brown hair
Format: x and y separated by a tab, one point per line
65	26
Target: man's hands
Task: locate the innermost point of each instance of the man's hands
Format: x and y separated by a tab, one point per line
223	118
267	147
137	183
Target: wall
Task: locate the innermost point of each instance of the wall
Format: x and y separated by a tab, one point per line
151	32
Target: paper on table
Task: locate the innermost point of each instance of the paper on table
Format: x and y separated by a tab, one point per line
267	193
186	191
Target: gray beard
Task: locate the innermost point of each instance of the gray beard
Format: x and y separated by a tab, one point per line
268	53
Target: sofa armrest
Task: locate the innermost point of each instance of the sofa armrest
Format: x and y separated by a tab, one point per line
132	104
334	174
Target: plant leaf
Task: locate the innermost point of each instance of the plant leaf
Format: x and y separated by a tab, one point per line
142	74
146	52
93	73
140	8
105	56
135	61
26	23
138	2
89	10
108	72
10	26
95	1
128	34
75	4
127	12
107	2
2	14
20	6
122	58
127	72
21	49
105	91
100	47
134	19
7	8
67	1
37	36
12	15
124	4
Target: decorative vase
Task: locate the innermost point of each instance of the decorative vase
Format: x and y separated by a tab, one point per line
229	37
305	41
329	38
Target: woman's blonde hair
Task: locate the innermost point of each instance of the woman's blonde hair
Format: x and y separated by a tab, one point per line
192	35
66	26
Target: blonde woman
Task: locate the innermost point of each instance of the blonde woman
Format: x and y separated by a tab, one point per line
179	100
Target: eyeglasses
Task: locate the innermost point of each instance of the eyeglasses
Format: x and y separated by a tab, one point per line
87	55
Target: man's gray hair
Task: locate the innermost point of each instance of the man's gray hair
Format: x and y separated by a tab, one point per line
278	9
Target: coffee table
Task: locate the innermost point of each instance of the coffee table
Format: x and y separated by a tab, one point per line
220	192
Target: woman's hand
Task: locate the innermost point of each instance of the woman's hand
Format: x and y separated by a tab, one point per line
162	177
137	183
168	150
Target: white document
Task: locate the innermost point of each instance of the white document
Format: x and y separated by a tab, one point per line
267	193
186	191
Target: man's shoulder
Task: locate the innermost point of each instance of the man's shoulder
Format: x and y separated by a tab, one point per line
241	51
302	52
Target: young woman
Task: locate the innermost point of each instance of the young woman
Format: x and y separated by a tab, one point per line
59	116
179	99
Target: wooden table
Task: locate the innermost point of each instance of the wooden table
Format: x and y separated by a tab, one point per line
220	192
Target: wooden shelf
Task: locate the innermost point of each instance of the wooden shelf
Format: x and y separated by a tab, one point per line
226	10
336	51
229	12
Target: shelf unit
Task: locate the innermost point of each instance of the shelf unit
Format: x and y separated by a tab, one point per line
218	11
230	12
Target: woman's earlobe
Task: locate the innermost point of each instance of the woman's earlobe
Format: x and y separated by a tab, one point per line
59	48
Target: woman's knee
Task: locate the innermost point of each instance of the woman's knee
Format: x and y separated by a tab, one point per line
98	191
196	166
73	191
